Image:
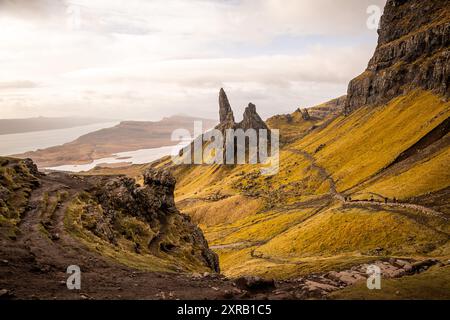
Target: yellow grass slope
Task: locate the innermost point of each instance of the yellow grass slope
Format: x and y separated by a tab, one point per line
293	223
358	146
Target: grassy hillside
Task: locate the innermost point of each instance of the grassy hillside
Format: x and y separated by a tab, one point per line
17	181
359	146
297	221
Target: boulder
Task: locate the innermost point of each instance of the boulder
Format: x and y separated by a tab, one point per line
423	265
6	294
319	286
252	283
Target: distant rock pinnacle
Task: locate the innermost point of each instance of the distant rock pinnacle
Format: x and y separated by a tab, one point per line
225	112
251	119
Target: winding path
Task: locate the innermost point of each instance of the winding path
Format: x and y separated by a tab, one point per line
34	265
333	191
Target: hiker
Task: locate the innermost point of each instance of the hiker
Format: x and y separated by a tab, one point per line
385	200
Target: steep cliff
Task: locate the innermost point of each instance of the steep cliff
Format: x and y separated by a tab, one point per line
412	52
166	232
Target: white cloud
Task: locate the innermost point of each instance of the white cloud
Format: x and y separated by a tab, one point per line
148	59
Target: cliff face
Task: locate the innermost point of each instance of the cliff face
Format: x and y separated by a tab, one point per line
169	231
412	52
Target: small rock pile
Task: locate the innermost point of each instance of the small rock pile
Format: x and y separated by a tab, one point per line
322	285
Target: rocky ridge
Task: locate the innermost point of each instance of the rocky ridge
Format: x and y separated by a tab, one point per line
171	232
137	219
333	107
412	52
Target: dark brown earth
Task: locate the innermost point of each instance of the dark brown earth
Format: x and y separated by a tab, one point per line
33	265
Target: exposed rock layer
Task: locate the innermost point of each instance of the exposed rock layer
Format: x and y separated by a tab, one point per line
412	52
154	203
330	108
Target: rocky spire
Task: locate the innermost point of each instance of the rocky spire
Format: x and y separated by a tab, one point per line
225	112
252	119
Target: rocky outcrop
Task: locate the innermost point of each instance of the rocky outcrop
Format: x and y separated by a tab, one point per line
225	112
321	285
169	232
251	119
305	114
412	52
330	108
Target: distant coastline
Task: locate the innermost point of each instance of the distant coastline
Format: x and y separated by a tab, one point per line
16	143
105	142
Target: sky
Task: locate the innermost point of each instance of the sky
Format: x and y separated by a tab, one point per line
146	59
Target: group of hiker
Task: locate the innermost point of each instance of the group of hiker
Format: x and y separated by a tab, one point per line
372	199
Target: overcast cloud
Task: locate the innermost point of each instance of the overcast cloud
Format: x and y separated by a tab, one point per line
140	59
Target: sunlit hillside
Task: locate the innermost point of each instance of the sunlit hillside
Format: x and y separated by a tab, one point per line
299	221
